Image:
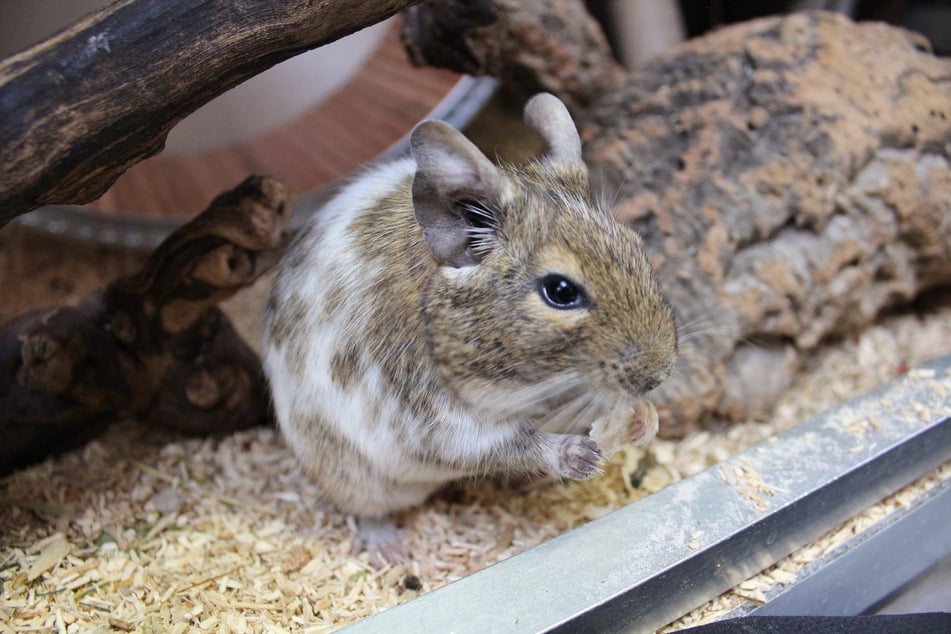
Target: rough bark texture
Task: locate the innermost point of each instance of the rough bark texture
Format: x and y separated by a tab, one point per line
151	344
790	176
85	105
552	45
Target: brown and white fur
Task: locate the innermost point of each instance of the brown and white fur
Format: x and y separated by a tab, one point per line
412	338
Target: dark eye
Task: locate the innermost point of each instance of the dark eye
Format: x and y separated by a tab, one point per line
560	292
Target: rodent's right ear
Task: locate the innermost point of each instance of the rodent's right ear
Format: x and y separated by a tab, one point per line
453	178
547	115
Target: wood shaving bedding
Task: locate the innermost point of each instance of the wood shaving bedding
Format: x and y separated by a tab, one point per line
145	530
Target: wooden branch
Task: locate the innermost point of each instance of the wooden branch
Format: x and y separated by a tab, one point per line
791	177
85	105
152	344
548	45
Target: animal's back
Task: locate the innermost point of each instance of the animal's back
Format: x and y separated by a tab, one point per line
329	392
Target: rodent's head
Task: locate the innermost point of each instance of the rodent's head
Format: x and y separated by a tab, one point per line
543	296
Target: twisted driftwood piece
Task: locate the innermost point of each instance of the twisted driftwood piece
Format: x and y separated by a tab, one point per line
791	177
549	45
152	344
85	105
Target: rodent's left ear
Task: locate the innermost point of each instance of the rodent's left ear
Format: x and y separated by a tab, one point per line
453	180
548	116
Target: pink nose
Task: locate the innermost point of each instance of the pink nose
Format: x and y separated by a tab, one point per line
651	382
642	371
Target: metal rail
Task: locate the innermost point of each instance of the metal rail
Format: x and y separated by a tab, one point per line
652	561
866	571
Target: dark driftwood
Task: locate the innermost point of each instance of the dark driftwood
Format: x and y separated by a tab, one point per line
152	344
82	107
791	177
535	46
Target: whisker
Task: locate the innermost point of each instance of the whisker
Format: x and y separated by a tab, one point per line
602	196
692	352
598	406
562	419
529	397
706	326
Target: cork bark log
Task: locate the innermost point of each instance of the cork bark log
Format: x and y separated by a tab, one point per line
791	177
85	105
152	344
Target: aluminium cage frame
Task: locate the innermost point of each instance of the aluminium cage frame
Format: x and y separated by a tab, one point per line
648	563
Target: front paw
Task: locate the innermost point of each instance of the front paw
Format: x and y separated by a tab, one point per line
580	458
381	539
644	422
624	425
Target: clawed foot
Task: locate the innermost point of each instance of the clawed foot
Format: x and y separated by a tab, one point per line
580	458
381	539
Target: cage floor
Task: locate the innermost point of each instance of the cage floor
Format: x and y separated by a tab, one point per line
145	528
